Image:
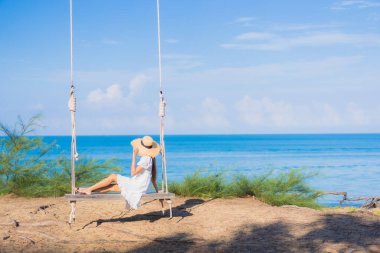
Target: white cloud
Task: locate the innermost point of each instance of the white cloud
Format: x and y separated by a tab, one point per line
182	61
213	113
243	21
266	112
119	124
278	43
172	41
280	37
112	94
303	27
255	36
284	76
136	84
360	4
357	115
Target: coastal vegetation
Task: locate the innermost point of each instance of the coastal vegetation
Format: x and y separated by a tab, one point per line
28	169
287	188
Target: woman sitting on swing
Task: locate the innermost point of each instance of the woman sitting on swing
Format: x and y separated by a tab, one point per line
132	188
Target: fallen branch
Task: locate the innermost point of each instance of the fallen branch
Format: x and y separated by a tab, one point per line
29	239
371	202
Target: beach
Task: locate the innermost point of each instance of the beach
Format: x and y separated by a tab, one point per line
198	225
260	117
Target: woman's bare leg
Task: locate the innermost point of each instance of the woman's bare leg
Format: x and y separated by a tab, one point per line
110	188
102	184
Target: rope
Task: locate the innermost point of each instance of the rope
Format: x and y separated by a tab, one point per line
73	211
159	44
71	46
72	108
162	105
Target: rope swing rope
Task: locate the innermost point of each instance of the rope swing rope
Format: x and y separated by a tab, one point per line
72	108
162	105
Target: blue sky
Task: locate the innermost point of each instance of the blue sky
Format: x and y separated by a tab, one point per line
242	66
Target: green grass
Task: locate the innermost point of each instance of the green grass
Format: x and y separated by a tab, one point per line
283	189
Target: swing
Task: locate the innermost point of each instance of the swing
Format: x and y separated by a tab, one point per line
73	197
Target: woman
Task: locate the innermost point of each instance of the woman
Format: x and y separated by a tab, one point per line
132	188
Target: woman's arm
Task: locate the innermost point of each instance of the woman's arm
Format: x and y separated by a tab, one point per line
135	170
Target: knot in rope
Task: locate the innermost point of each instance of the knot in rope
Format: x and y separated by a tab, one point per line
162	106
72	100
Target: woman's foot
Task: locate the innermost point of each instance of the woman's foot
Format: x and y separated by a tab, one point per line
86	191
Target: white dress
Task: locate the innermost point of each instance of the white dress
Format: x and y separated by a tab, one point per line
132	188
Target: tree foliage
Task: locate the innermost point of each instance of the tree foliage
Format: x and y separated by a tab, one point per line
25	170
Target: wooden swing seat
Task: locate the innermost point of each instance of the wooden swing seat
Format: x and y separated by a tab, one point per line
110	196
73	198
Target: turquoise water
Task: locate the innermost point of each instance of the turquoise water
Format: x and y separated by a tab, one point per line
345	162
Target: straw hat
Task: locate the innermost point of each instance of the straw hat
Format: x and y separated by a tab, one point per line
147	146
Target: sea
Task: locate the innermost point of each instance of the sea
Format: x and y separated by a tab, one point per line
341	162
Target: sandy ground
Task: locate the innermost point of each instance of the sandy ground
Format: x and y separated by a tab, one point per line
221	225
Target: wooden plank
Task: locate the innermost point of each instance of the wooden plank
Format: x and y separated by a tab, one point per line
110	196
158	196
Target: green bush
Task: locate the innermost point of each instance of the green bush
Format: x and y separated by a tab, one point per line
195	185
25	172
283	189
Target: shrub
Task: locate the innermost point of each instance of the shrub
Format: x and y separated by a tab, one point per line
195	185
283	189
25	172
21	163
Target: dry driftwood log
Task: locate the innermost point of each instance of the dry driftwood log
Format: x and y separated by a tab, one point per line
371	202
